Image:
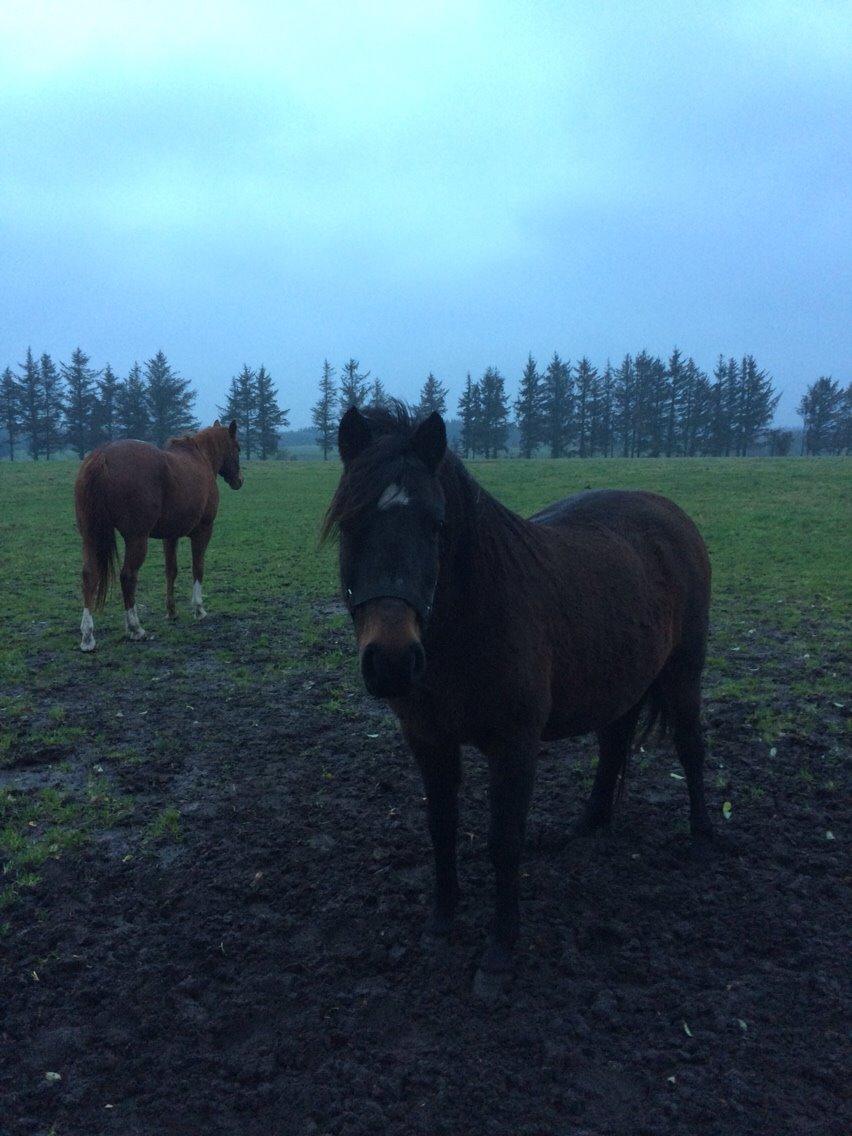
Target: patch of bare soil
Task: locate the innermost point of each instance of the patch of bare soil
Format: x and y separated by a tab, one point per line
257	969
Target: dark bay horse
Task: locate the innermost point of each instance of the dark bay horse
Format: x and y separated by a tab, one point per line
143	492
481	627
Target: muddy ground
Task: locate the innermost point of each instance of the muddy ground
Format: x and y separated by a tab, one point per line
238	951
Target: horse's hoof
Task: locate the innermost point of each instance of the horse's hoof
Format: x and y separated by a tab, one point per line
588	826
702	846
87	645
172	616
137	636
200	613
491	985
495	972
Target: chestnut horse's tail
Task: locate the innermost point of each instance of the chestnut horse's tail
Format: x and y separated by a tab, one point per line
96	527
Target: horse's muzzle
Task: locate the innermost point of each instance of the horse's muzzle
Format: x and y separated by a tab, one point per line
392	674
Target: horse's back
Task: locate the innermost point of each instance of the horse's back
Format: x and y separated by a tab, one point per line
646	521
133	477
613	526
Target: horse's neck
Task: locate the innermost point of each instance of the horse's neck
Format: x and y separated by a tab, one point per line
210	448
489	544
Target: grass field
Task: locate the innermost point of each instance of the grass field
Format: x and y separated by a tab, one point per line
215	867
778	533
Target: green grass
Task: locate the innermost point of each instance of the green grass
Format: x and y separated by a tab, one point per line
778	532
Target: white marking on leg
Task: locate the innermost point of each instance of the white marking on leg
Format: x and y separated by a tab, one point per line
197	602
393	495
87	630
134	628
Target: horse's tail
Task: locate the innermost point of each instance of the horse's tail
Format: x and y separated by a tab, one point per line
95	524
653	723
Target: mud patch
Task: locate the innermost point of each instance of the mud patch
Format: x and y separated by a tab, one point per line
242	953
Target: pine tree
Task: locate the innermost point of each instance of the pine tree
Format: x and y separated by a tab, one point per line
30	404
495	412
433	397
470	413
270	417
695	412
757	403
719	433
676	384
79	402
241	405
10	409
353	386
623	399
585	377
133	419
844	433
105	415
379	399
51	406
822	409
558	406
530	413
732	406
322	414
169	400
605	414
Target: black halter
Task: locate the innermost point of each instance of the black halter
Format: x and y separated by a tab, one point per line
389	587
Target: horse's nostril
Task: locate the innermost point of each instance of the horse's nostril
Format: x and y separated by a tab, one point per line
418	660
368	663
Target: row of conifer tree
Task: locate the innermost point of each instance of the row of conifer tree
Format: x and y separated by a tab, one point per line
644	406
45	409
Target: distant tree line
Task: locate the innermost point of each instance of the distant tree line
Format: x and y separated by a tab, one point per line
826	411
354	390
645	406
45	409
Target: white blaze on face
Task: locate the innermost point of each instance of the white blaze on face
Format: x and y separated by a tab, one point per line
87	630
393	495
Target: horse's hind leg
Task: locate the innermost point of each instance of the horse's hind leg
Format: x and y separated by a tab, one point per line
170	551
135	548
614	742
90	590
682	695
199	539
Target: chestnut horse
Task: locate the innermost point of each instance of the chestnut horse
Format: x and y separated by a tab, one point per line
481	627
144	491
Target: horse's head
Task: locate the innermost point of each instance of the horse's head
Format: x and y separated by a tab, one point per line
230	467
388	511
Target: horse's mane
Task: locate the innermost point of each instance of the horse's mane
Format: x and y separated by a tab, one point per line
384	460
185	441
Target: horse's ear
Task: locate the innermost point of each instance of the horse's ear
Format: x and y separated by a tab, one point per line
232	429
354	434
217	423
429	441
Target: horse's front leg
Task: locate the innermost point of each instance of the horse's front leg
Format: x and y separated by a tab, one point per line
511	777
170	551
199	539
440	767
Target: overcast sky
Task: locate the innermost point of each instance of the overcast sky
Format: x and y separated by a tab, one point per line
425	186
